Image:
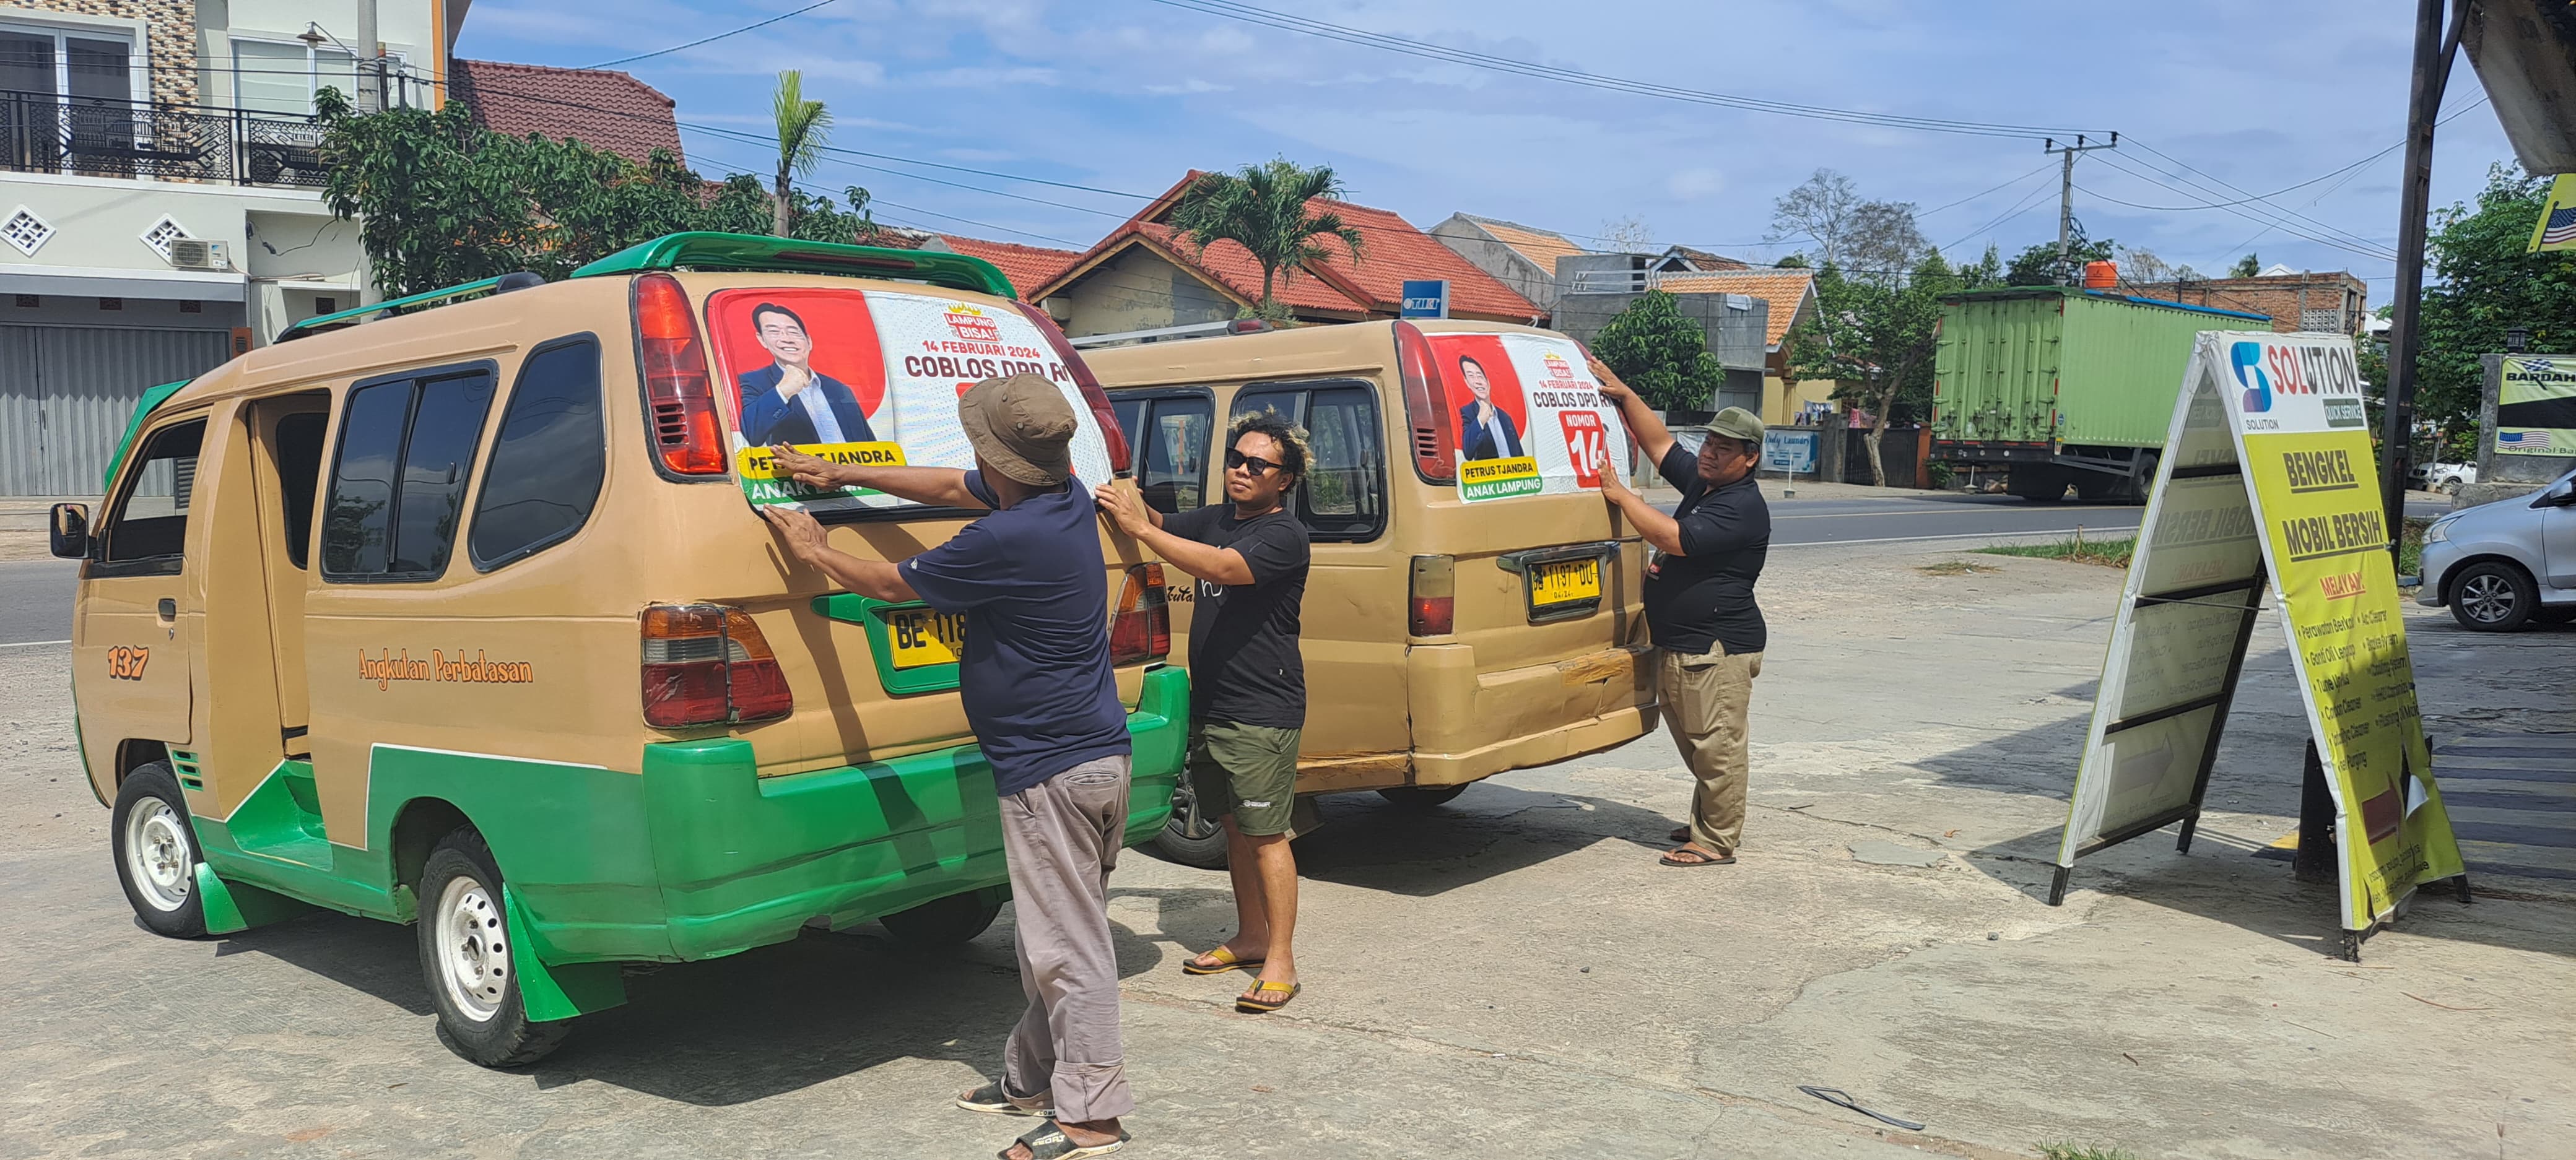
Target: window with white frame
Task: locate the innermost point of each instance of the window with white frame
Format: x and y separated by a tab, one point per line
68	61
281	76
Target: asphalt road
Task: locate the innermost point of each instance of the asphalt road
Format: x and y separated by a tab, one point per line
35	600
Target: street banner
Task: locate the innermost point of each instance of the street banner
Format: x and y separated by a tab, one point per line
1530	419
1791	451
2556	229
2267	483
2536	406
869	377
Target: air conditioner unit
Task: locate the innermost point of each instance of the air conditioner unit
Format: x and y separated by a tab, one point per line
199	254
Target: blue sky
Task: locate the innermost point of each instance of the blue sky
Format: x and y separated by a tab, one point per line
1124	95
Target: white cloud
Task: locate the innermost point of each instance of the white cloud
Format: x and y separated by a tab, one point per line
1695	183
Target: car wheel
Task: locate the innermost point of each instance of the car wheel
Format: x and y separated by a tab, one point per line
467	954
156	853
2450	486
944	922
1422	797
2493	597
1191	837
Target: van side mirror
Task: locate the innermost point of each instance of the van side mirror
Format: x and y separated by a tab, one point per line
68	534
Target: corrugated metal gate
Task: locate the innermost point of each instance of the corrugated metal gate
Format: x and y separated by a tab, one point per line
66	393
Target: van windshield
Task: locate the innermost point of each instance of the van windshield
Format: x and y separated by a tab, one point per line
872	377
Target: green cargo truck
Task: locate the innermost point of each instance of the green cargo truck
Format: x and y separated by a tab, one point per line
2056	386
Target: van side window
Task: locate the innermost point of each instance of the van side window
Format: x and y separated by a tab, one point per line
398	491
547	462
150	526
1173	453
1344	496
299	472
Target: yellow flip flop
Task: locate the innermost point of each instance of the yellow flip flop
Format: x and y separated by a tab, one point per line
1225	961
1258	1002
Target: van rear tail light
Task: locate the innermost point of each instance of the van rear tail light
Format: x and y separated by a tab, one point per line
1142	628
1426	407
685	433
1433	598
1102	415
706	664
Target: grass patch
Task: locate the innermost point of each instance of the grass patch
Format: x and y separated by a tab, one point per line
1956	568
2075	1152
2073	549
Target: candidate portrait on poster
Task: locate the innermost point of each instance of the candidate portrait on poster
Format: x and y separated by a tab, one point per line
789	401
1485	430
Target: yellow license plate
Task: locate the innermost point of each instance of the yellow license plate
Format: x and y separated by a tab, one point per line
1563	582
922	637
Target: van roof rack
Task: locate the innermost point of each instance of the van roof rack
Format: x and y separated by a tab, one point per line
707	250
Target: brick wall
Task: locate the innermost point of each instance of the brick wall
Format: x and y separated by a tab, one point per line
171	27
2334	301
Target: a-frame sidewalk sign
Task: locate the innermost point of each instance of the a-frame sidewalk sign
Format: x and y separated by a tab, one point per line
2267	482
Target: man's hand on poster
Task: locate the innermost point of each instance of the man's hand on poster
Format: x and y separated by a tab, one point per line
799	533
1613	486
793	377
810	470
1607	380
802	537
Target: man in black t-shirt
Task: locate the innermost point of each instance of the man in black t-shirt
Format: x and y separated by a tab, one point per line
1699	605
1247	684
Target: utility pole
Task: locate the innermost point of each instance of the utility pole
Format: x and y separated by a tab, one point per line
370	62
2433	52
2066	196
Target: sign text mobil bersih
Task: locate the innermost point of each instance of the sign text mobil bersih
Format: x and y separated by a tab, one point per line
2266	486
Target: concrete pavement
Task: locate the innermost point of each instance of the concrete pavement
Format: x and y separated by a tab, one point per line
1511	974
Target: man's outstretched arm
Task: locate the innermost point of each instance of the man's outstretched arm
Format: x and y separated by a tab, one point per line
937	486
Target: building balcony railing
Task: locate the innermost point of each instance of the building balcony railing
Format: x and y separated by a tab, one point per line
99	137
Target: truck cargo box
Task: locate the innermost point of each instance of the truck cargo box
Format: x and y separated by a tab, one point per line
2053	364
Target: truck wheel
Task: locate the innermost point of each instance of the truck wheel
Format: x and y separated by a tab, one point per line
2094	487
1190	837
1422	797
156	853
466	952
943	922
2491	596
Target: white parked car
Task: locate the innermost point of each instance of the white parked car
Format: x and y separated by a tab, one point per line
2447	477
2504	564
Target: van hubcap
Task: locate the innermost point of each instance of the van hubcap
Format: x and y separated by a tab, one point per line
2488	599
473	949
157	857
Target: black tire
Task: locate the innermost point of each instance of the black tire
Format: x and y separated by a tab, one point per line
1422	797
1189	837
944	922
2037	484
2450	486
495	1031
148	830
2493	596
2095	487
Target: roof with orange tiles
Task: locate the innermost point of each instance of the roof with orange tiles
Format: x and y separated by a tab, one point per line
1541	246
1028	267
610	110
1391	251
1787	290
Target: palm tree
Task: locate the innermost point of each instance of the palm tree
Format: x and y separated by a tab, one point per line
803	127
1264	209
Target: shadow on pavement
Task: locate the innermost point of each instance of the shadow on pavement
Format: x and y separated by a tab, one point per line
1487	831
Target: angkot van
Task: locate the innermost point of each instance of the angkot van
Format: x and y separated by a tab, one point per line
465	617
1473	605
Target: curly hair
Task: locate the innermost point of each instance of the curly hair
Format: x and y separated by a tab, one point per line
1294	450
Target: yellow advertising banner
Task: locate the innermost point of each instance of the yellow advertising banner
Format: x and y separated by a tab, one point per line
2270	448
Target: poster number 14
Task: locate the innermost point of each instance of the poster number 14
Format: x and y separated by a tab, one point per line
1584	446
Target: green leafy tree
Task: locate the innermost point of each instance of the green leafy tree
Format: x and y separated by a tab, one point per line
2249	266
1266	209
2485	283
1661	354
804	127
2038	265
1875	337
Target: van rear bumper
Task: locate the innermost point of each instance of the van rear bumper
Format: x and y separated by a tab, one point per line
1469	725
744	861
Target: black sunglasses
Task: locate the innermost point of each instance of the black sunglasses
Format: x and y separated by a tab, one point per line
1251	463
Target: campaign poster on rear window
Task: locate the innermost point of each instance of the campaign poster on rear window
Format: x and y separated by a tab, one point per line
1530	420
869	377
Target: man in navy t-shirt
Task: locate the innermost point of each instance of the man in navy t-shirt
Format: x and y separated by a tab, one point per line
1036	680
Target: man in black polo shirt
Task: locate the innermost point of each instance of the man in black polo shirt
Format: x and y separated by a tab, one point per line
1699	604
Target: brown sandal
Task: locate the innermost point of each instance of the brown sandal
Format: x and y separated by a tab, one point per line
1694	856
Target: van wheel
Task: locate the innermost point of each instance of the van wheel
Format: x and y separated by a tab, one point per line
465	951
1422	797
1190	837
156	853
2493	597
944	922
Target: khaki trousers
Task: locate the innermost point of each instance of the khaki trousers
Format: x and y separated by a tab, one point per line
1706	696
1061	837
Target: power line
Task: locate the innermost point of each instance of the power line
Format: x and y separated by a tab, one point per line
714	38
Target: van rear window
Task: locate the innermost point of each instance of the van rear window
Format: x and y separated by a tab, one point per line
870	376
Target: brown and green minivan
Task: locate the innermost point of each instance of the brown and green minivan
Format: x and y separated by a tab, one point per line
464	617
1452	631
